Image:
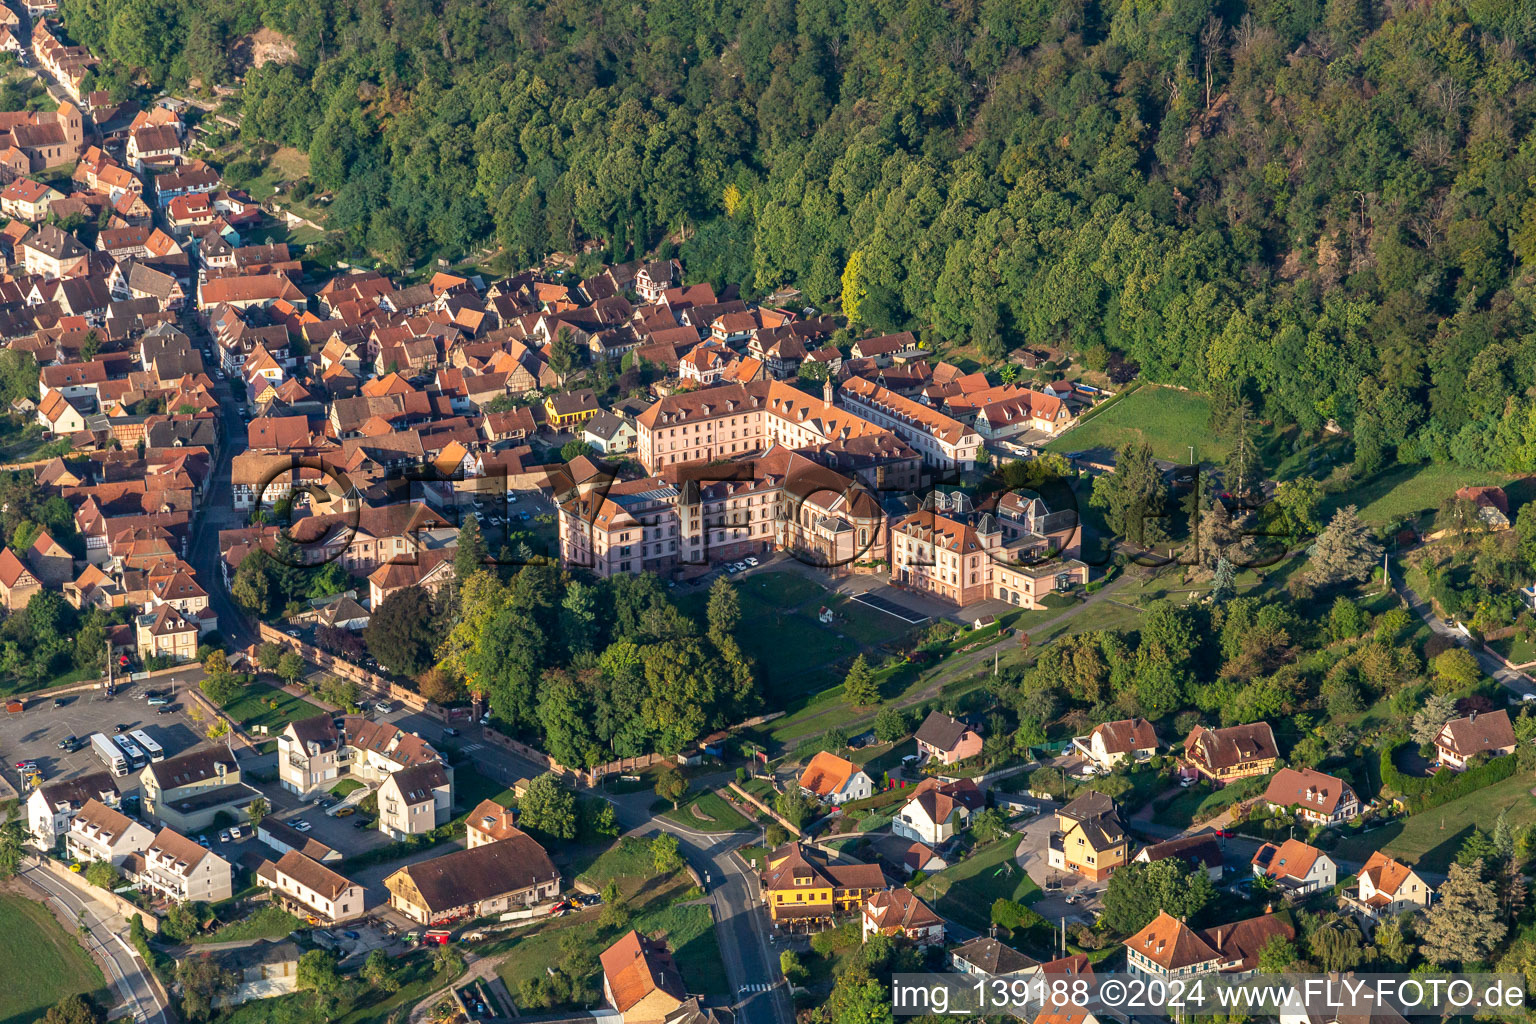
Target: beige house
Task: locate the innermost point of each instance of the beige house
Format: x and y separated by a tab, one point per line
899	913
28	200
1462	739
490	822
490	879
167	633
310	889
180	869
1388	887
97	832
414	800
17	582
52	253
314	753
641	980
1295	867
1316	797
1236	752
189	791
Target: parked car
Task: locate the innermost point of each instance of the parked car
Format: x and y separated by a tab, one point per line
203	842
751	560
450	731
300	825
237	832
68	741
158	702
354	936
384	707
59	702
120	727
346	812
224	836
362	823
24	766
167	709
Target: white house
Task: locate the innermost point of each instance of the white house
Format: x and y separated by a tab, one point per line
311	889
936	812
834	779
53	805
1295	867
99	833
899	913
1110	743
180	869
1389	887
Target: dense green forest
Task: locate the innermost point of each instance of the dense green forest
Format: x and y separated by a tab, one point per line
1326	205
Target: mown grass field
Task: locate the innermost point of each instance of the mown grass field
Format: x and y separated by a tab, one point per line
660	903
966	891
1168	419
1432	838
263	705
40	962
1404	492
708	812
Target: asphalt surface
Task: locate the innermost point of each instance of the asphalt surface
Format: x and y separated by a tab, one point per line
216	513
108	942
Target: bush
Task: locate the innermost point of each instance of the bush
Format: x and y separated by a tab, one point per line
1442	787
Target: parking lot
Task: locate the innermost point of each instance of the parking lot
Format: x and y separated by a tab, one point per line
34	734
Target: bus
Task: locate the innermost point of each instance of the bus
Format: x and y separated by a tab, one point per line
154	750
109	754
135	756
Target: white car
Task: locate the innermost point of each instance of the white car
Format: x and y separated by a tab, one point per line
300	826
752	561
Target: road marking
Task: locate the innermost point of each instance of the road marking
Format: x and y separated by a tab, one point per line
466	748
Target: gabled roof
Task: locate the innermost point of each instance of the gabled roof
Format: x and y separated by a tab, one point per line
899	908
466	877
1477	733
635	967
1291	859
1171	944
827	773
1308	789
992	957
940	731
313	875
1126	736
1234	745
1386	875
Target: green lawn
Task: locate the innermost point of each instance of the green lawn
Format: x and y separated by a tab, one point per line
1432	838
270	922
263	705
417	981
966	891
41	962
1405	491
660	904
345	787
708	812
1168	419
1197	804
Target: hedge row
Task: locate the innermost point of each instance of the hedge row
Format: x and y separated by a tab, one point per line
1422	794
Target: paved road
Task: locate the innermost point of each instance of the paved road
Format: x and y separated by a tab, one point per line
1517	682
218	513
108	941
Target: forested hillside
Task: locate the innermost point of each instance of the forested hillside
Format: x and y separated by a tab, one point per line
1325	203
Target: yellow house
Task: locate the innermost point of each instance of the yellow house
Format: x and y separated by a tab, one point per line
801	886
1088	839
570	408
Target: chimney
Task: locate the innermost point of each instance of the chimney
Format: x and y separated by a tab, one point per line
827	389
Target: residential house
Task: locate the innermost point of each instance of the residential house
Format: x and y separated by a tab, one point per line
937	811
167	633
988	957
1314	797
189	792
1389	887
414	800
1089	838
180	869
50	561
945	740
53	805
1236	752
28	200
610	433
1168	949
52	253
1202	852
310	889
1130	739
944	442
804	889
17	583
834	779
264	969
1461	739
1239	943
899	913
490	822
1295	867
641	980
313	753
570	408
283	837
99	833
1370	1014
490	879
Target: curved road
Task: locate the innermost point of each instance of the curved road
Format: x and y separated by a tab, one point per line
106	930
